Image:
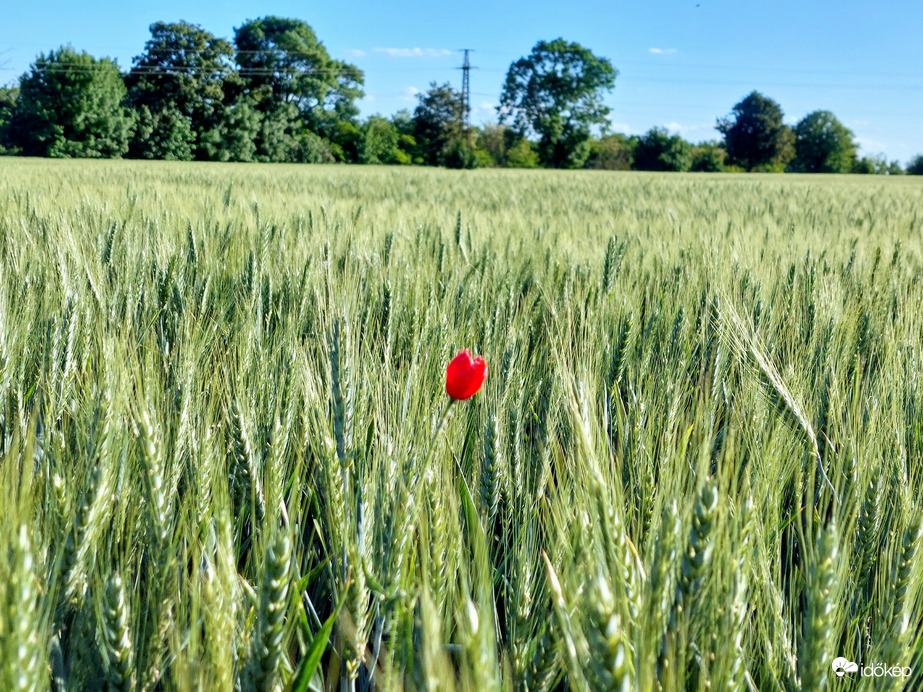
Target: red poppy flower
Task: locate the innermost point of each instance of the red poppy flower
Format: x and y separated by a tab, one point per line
465	375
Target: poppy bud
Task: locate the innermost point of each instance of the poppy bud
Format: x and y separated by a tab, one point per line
465	375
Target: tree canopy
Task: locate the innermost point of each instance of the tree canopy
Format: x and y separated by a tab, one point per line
275	94
556	93
755	136
184	65
383	142
286	56
298	88
71	104
7	104
823	145
708	157
437	122
659	151
178	85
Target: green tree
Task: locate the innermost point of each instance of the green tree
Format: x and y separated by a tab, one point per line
340	104
490	144
522	154
755	136
615	152
556	94
875	164
708	157
823	144
407	143
312	148
234	136
915	165
285	56
403	121
345	141
186	73
7	104
276	139
165	134
381	142
437	123
459	153
867	165
71	105
501	145
657	150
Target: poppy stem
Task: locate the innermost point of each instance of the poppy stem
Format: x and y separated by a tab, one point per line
440	428
444	418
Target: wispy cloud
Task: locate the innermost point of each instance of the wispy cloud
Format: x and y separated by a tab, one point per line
357	53
868	144
486	111
414	52
691	132
408	93
662	51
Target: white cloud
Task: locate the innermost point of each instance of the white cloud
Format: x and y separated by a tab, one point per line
484	112
662	51
692	133
414	52
867	144
356	53
408	93
623	128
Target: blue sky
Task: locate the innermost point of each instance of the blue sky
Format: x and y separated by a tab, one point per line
682	64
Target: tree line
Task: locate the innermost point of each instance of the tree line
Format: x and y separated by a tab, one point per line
274	93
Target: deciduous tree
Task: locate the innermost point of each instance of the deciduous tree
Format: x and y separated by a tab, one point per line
755	136
613	152
556	94
71	104
437	122
7	103
286	56
657	150
382	142
823	145
162	134
915	166
708	157
183	73
234	137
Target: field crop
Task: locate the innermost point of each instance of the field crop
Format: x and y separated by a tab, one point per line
228	460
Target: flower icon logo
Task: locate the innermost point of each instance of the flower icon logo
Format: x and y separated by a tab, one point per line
841	666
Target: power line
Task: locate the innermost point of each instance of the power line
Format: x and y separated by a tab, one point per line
675	61
58	66
45	66
200	69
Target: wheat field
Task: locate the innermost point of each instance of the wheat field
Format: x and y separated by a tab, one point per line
228	460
